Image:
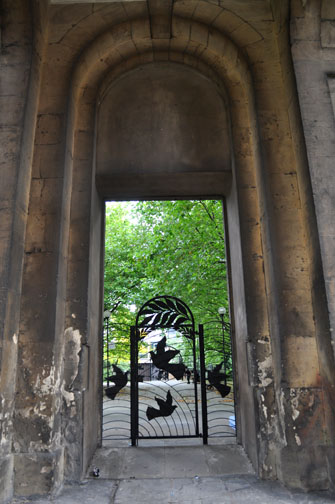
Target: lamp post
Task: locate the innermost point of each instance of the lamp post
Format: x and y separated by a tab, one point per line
222	311
106	316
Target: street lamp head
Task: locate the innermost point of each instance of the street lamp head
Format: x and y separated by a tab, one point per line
222	311
107	314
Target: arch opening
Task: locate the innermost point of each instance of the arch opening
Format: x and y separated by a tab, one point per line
175	247
190	179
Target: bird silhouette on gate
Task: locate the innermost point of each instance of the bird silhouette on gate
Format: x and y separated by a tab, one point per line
161	359
215	378
166	408
119	378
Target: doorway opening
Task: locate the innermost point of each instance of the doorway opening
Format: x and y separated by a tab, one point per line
174	252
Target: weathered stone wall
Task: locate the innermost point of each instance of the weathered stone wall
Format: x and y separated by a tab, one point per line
313	53
23	28
60	61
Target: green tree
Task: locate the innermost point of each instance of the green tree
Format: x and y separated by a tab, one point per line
166	247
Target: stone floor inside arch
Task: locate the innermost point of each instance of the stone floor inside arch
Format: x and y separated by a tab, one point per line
184	474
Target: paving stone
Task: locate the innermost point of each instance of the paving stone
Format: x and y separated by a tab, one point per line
144	463
183	463
109	461
144	490
202	488
231	460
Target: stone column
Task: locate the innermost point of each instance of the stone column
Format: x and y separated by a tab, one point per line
313	53
19	61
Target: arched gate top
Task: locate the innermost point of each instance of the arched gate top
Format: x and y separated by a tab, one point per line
166	312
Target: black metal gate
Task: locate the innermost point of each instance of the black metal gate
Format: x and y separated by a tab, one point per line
171	393
167	405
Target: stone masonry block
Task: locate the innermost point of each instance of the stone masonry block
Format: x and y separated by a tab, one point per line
284	190
33	419
46	195
49	129
312	473
181	28
301	364
206	12
38	474
184	9
257	319
178	47
199	33
40	274
217	43
110	14
307	411
278	157
243	136
136	10
175	56
227	21
251	11
160	18
298	320
13	80
8	183
140	29
161	47
9	141
328	34
6	480
12	108
245	34
83	150
48	161
328	9
127	49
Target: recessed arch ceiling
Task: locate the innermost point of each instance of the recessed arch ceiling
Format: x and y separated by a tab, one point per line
101	39
128	45
162	117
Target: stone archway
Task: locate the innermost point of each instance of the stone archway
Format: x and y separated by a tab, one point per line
283	358
213	179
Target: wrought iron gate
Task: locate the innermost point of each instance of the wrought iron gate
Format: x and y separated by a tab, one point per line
168	406
172	394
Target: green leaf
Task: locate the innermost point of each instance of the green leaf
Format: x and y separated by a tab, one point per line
146	321
170	304
180	321
181	308
161	304
165	317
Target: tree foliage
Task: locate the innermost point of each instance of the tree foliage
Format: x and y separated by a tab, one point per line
165	248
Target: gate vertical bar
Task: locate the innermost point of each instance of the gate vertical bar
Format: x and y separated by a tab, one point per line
133	387
195	380
203	385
